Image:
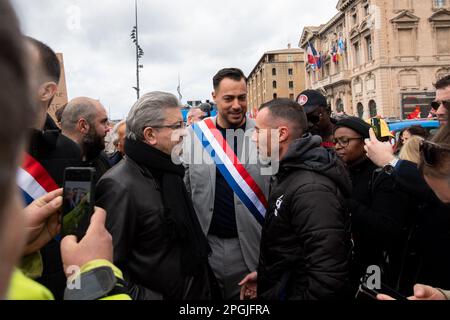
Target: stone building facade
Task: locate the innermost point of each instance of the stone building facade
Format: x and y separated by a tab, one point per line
394	50
278	74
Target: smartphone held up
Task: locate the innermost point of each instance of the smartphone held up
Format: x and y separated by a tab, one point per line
79	199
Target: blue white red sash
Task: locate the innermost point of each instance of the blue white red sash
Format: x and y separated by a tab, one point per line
232	169
34	180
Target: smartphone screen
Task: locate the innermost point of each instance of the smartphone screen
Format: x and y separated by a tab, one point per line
376	126
78	203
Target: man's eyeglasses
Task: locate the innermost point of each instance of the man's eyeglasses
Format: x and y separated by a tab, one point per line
436	104
431	152
344	141
177	126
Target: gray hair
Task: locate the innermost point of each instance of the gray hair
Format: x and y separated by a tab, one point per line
149	111
114	132
191	111
74	111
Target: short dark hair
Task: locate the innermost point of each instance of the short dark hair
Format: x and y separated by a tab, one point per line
15	103
443	83
59	113
291	111
228	73
418	130
49	60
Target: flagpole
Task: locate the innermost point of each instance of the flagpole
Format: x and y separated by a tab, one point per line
138	88
139	51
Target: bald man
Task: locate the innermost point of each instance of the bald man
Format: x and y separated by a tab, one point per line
195	115
85	121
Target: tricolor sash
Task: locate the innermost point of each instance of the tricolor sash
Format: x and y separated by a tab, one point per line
237	177
34	180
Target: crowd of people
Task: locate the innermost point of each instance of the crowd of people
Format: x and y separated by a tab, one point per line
292	205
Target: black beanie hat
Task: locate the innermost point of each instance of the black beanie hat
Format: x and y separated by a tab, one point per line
355	124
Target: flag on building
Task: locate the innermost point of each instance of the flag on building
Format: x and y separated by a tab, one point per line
314	59
341	48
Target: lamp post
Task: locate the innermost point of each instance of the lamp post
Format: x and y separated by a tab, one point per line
139	52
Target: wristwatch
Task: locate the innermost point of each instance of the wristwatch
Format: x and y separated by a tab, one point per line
96	284
390	167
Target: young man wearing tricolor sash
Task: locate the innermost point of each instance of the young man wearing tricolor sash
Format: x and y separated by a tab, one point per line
225	181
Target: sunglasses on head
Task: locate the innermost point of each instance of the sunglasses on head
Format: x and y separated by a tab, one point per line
436	104
431	152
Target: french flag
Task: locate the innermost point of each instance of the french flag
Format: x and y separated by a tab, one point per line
314	59
34	181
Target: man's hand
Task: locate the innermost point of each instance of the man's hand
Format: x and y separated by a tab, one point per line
249	286
96	244
421	292
42	220
381	153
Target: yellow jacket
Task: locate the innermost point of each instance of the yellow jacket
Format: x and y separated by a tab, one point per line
24	288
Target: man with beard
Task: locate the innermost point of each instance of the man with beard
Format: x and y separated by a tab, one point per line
85	121
318	114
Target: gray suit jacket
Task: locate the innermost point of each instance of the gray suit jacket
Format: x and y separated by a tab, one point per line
200	180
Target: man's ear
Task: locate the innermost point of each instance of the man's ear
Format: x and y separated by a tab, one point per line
47	91
83	126
213	94
283	134
150	137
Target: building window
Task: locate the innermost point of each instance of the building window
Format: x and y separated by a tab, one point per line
438	4
327	70
274	71
289	59
443	42
356	54
355	18
373	109
406	42
367	10
291	84
360	109
274	84
369	48
275	96
339	105
291	72
291	96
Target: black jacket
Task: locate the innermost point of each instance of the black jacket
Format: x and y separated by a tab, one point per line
383	218
432	236
305	245
146	247
55	153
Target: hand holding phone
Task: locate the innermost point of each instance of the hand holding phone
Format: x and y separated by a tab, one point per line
78	204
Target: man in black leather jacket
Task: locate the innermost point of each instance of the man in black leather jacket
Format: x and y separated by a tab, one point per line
158	242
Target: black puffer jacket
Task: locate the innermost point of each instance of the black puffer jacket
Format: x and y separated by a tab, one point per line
306	246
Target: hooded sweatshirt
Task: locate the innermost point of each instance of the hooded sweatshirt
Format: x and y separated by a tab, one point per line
306	241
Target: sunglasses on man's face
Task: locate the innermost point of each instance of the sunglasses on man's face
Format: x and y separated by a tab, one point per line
436	104
431	152
313	118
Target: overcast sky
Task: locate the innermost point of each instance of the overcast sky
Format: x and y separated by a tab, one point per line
193	38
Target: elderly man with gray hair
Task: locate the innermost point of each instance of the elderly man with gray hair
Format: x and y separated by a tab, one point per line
158	241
